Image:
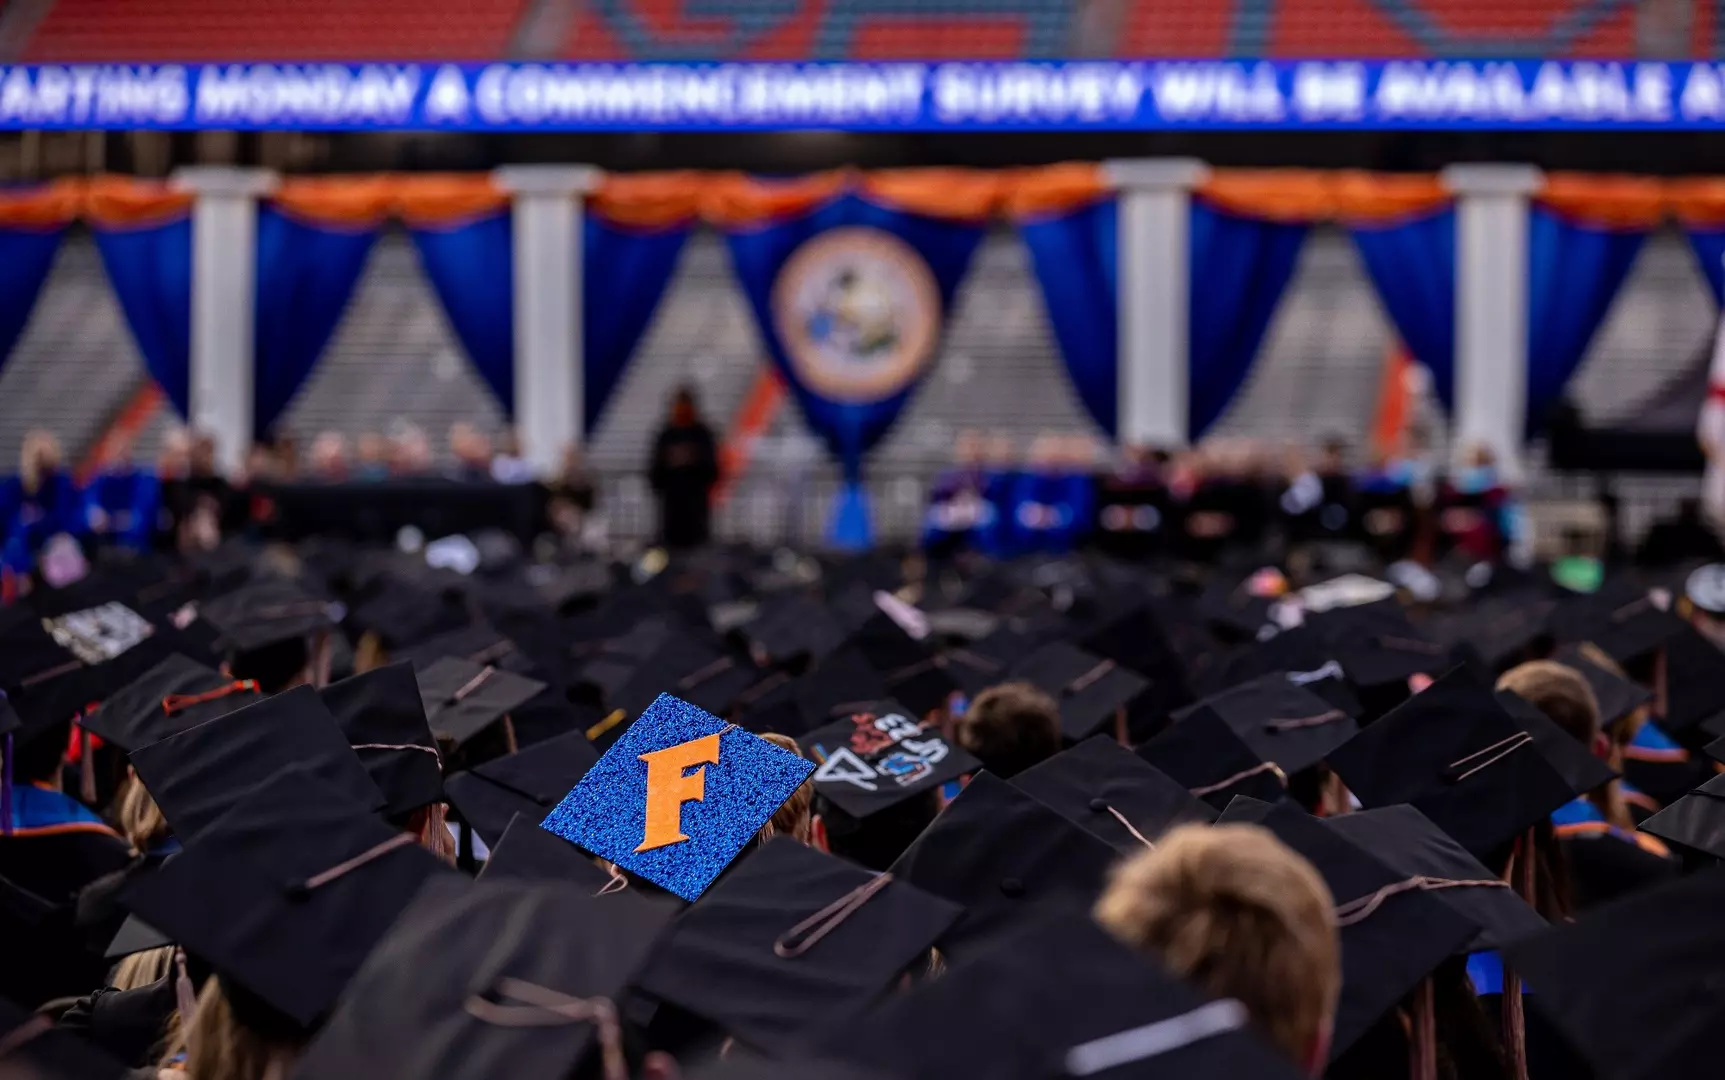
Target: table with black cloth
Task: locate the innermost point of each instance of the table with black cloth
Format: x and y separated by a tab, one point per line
377	510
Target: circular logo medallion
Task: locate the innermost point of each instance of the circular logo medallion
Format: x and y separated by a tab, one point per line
858	311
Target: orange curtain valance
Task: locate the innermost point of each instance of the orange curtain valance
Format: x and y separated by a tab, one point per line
734	200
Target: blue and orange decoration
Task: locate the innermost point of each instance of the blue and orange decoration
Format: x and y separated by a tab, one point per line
678	796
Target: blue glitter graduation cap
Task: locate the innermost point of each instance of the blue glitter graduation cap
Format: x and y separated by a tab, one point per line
678	796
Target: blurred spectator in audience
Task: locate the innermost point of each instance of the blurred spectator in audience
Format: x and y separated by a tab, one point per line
329	458
1478	515
958	513
285	449
122	500
471	450
1683	538
684	471
570	506
371	457
42	502
409	450
509	467
1318	502
1133	505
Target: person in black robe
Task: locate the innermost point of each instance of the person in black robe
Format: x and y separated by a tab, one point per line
685	468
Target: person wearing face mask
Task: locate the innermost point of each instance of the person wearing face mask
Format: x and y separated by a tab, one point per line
1477	514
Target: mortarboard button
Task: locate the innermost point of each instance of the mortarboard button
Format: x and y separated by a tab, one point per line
1011	887
1099	805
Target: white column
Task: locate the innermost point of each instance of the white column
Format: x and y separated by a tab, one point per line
1155	220
547	233
1491	310
224	275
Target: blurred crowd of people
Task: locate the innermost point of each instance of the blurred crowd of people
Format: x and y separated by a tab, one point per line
51	518
1221	495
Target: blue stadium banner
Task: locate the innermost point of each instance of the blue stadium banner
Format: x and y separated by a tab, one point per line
952	96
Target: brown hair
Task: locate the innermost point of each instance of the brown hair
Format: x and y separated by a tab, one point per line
1232	910
1563	695
795	817
140	820
1009	728
1558	691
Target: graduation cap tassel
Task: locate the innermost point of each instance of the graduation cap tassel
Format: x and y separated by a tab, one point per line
1422	1041
1514	1015
86	765
6	787
185	998
545	1007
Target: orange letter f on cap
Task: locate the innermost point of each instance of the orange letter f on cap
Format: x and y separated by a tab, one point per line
668	788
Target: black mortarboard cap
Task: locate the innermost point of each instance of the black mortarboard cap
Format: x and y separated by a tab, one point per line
462	698
383	718
1409	843
1694	688
476	643
176	694
1621	618
32	1048
697	671
485	980
741	1066
1376	643
266	612
526	852
404	613
1501	629
792	939
1112	792
287	892
793	625
1574	761
1279	721
1460	759
1695	822
1060	997
1210	759
529	782
1635	985
880	756
1089	689
837	687
914	671
1300	655
1617	696
1391	937
198	774
1002	854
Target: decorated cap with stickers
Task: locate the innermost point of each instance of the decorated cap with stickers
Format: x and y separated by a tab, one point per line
877	758
677	796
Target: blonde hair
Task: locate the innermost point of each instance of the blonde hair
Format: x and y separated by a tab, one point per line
796	817
40	449
1232	910
220	1046
141	821
142	968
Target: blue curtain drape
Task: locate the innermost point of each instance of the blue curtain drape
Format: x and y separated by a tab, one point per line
625	274
26	256
150	269
1709	248
1411	264
1239	269
471	268
848	428
1574	272
306	274
1076	262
